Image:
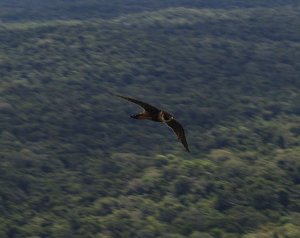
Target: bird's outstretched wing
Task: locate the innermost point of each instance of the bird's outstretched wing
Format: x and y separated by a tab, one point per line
144	105
179	131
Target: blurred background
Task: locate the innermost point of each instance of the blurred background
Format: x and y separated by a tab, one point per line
72	162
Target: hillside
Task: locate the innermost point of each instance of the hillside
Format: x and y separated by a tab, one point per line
73	164
41	10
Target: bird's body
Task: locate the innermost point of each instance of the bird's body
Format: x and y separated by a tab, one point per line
154	114
160	116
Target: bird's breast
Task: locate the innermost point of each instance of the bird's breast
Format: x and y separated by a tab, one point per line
160	116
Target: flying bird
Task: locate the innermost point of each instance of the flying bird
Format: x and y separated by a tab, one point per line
154	114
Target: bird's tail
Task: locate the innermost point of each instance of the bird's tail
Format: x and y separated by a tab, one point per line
137	116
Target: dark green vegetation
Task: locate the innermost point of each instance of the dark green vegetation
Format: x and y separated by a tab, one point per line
73	164
39	10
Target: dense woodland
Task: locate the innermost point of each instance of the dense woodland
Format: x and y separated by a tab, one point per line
72	162
39	10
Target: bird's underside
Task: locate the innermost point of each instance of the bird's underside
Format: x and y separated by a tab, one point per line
152	113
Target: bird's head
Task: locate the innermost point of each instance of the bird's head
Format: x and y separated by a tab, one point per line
167	116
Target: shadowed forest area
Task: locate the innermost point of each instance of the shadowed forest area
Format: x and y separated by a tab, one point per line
72	162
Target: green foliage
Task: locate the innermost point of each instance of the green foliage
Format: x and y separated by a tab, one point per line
37	10
72	164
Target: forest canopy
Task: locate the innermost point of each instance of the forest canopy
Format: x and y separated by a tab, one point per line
73	164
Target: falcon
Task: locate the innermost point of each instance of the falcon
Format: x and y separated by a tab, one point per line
154	114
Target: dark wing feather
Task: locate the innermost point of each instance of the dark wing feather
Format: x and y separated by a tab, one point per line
144	105
179	131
